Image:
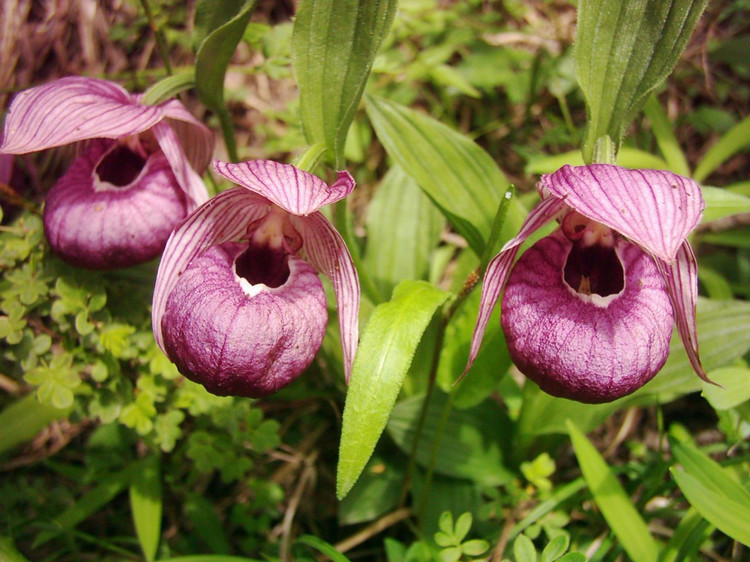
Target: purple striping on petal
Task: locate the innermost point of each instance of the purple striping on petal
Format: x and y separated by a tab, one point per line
236	344
295	191
583	350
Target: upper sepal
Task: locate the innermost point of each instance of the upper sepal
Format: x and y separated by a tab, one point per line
292	189
656	209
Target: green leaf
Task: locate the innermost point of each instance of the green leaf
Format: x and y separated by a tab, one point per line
721	203
462	526
690	534
23	419
214	54
8	551
722	334
736	138
627	157
733	389
377	491
168	87
617	508
665	138
333	46
385	354
555	548
107	488
623	51
523	549
211	14
406	226
461	178
145	505
210	558
207	525
323	547
711	490
471	440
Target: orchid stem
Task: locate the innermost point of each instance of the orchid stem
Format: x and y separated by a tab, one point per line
227	130
161	44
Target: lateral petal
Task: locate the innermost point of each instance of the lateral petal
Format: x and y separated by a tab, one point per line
681	280
499	268
73	109
654	208
326	250
224	217
292	189
187	177
196	139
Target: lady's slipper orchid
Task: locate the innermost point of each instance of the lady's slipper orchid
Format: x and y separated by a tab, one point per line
237	305
136	178
588	310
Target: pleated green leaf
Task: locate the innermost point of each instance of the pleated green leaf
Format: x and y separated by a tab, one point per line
616	507
460	177
623	50
334	43
471	440
146	505
385	354
711	490
405	227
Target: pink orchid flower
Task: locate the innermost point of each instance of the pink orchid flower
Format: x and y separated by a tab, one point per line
588	311
238	305
135	178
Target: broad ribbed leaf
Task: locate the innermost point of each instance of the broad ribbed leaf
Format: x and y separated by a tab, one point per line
616	507
470	441
145	504
210	14
732	387
460	177
722	334
385	354
405	227
711	490
333	46
623	51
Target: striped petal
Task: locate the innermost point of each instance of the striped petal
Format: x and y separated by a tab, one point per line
196	139
654	208
499	268
189	180
73	109
327	252
222	218
681	280
292	189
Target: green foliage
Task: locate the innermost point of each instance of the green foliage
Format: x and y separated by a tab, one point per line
392	336
623	51
333	48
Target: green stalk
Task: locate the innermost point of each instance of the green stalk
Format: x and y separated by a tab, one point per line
161	43
227	130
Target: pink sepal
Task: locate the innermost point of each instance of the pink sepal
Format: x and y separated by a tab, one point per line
292	189
326	250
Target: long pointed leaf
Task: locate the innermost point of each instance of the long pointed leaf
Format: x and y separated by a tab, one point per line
385	355
617	508
145	504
